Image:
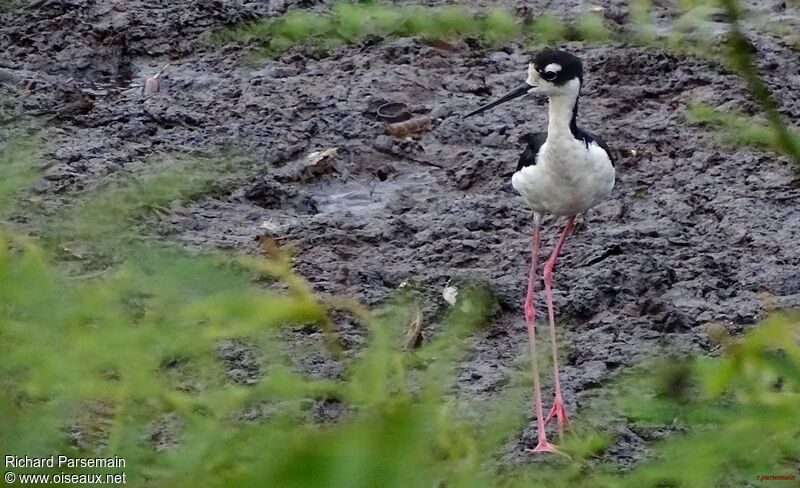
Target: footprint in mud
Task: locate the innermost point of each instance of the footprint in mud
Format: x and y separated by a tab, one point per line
274	196
355	197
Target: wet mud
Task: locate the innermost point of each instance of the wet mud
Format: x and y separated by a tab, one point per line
694	233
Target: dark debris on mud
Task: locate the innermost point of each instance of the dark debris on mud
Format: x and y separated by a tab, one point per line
694	233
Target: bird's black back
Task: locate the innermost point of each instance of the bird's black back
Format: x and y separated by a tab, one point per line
587	137
534	142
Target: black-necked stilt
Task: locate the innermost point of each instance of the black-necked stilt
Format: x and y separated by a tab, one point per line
564	171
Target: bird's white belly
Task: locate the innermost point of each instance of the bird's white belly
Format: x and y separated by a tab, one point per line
567	179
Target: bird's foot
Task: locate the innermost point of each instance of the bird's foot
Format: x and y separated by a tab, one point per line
545	446
560	414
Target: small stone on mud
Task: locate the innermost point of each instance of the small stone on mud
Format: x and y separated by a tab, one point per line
476	221
465	178
413	126
308	169
450	294
317	156
306	205
499	57
383	144
441	112
495	139
151	85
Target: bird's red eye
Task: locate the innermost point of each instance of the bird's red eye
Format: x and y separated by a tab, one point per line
550	75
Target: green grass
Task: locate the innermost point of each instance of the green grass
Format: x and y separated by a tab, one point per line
18	165
141	342
113	353
545	29
741	420
348	23
739	56
591	28
66	343
9	4
743	130
110	221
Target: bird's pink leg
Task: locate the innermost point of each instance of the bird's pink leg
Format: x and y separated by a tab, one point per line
530	318
558	411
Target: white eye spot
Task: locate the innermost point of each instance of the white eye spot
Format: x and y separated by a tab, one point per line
553	67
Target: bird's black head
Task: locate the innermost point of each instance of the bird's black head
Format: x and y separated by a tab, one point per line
554	67
552	73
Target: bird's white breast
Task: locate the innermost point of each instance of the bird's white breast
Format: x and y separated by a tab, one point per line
568	177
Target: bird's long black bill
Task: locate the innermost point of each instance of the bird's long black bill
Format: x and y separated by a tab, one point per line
521	91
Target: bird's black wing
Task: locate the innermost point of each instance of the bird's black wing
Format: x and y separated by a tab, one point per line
589	137
534	143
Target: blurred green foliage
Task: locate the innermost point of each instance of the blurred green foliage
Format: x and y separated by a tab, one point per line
104	364
739	411
109	222
18	168
591	27
739	54
740	129
9	4
352	22
117	352
545	29
118	340
695	33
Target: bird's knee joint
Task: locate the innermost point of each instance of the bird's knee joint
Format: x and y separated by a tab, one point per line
547	276
530	313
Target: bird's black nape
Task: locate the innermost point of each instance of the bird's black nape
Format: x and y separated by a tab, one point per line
516	93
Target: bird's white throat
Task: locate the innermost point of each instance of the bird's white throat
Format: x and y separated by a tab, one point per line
560	115
560	108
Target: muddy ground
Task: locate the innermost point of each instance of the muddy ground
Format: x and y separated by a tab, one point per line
695	232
